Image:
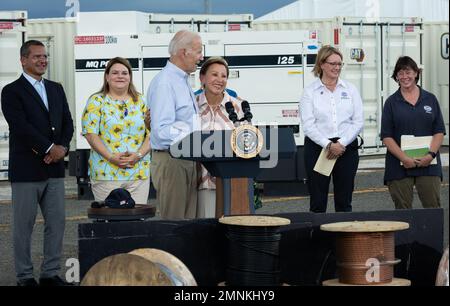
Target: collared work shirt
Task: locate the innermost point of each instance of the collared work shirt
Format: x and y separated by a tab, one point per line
325	114
173	108
402	118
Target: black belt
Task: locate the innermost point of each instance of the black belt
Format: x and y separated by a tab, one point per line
165	150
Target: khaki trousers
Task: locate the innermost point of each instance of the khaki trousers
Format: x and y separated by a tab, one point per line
428	189
175	181
138	189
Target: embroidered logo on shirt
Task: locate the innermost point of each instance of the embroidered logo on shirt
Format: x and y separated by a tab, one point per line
344	96
427	109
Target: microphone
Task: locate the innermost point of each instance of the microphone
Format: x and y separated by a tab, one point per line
245	106
246	110
231	113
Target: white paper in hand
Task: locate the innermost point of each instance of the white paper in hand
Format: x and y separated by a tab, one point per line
416	146
324	165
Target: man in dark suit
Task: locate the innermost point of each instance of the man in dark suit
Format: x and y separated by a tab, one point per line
41	128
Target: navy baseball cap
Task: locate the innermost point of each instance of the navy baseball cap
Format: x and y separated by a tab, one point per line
119	198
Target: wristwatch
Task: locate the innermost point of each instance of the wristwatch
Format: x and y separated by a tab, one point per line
139	154
432	154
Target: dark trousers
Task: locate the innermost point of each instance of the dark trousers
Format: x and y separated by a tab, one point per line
343	173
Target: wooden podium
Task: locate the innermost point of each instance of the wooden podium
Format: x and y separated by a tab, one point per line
234	184
234	196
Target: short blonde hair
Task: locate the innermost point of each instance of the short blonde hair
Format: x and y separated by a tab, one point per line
324	53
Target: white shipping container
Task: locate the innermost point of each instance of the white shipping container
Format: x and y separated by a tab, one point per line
12	34
436	65
429	10
58	34
370	49
167	23
132	22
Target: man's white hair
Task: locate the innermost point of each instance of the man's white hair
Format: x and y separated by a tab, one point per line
182	40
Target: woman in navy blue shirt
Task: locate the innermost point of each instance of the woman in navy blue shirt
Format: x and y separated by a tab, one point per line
412	111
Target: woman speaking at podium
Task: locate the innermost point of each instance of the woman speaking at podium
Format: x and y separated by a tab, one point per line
211	99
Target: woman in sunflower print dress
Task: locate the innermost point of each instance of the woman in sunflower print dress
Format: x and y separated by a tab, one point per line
113	124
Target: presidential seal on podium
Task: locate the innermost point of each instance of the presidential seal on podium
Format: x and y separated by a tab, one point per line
246	141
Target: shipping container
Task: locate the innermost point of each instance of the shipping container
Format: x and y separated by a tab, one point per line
132	22
57	34
371	48
436	64
12	35
429	10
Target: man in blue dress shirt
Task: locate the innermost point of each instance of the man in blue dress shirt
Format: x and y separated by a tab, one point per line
174	113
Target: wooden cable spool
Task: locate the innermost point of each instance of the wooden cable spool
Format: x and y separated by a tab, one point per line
171	265
253	250
254	220
141	267
366	247
125	270
396	282
442	274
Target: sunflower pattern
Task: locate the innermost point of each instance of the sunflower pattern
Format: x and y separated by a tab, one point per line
120	125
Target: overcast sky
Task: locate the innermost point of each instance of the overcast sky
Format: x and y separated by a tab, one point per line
59	8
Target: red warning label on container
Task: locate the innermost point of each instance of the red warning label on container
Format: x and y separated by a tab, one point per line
6	25
409	28
89	40
290	113
234	27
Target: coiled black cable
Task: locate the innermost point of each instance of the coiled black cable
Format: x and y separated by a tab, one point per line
253	256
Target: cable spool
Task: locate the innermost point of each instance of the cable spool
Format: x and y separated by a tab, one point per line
141	267
365	252
125	270
442	274
174	268
253	250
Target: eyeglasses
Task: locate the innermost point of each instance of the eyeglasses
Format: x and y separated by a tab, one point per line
340	65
